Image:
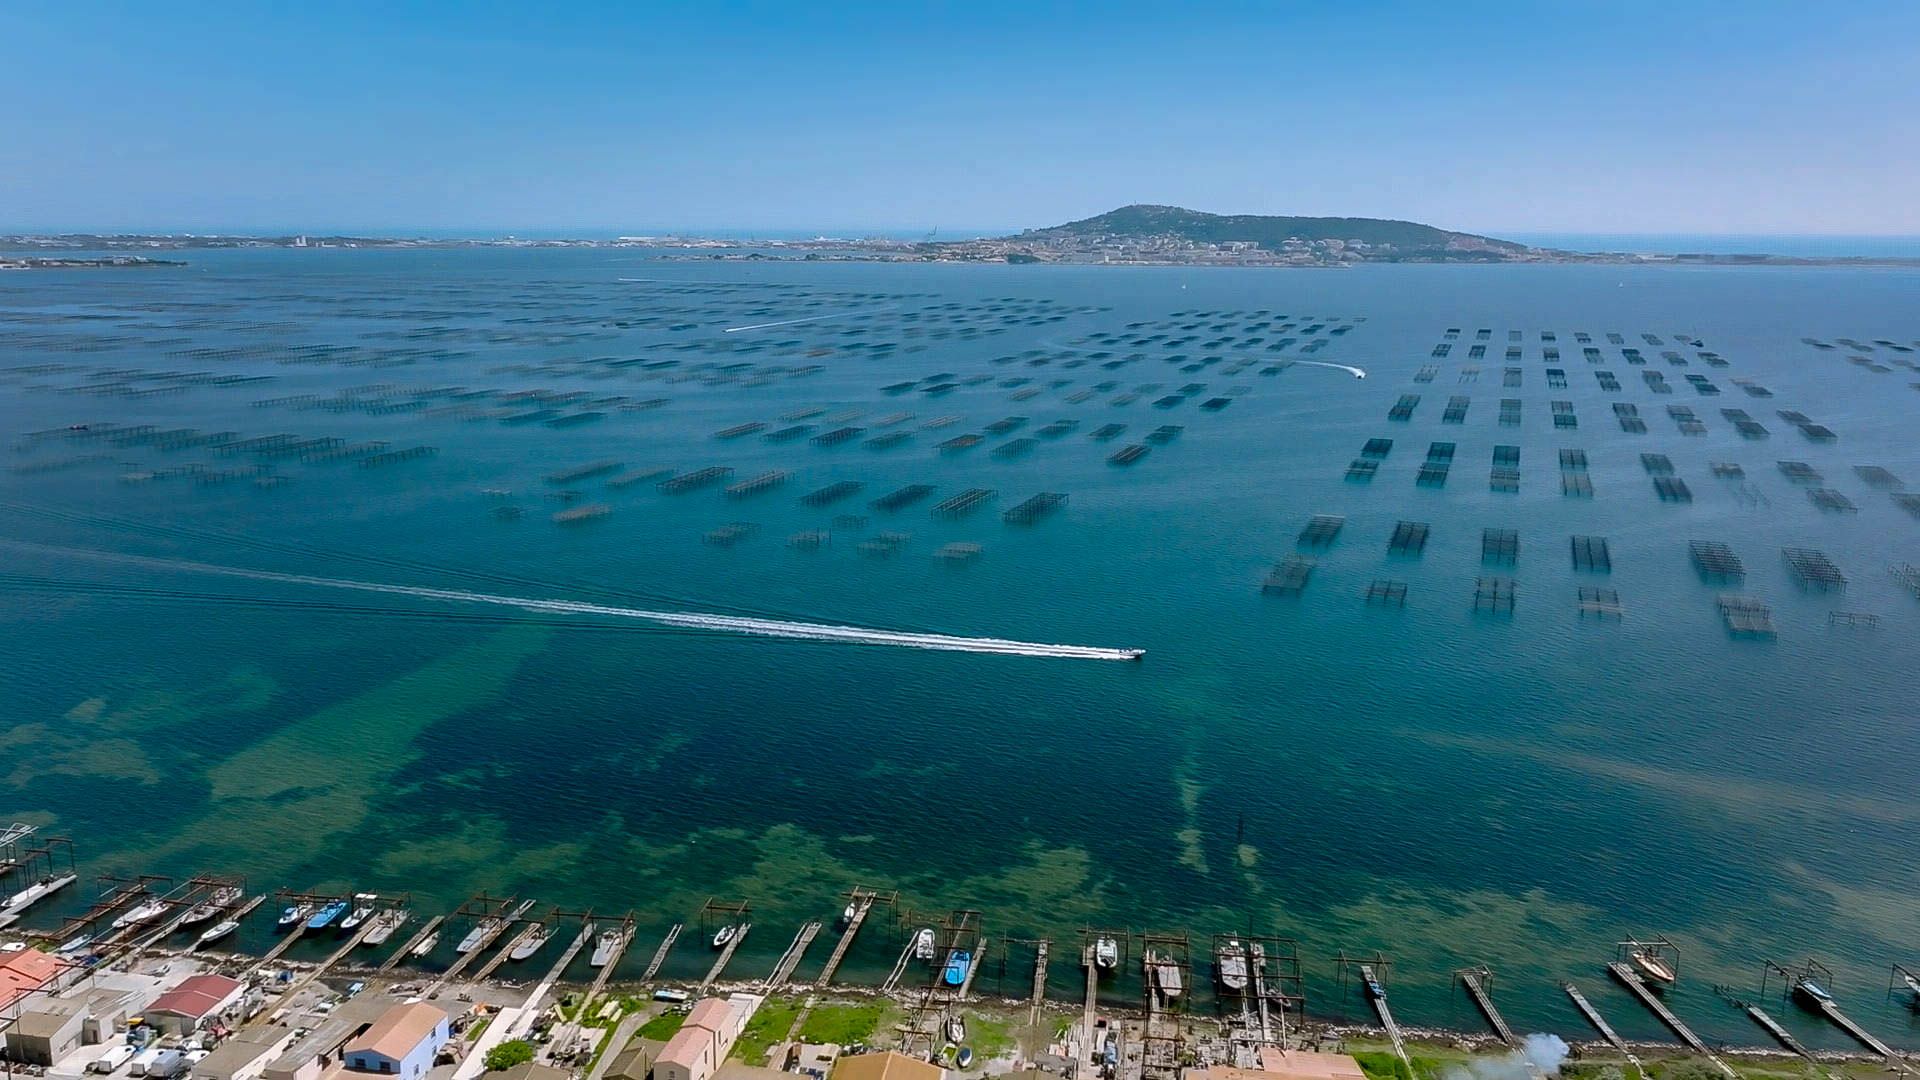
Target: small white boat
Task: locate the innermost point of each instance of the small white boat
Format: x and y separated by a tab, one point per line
956	1029
76	944
1106	953
426	944
846	917
362	911
294	916
1913	984
222	899
384	924
605	946
530	942
1653	967
923	945
1232	966
722	936
482	932
145	913
217	931
1166	975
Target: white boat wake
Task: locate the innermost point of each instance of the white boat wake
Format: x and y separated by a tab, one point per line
691	620
1358	373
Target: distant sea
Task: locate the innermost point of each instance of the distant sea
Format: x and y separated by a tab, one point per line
1824	247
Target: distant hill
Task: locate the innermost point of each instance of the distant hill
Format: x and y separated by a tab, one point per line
1144	222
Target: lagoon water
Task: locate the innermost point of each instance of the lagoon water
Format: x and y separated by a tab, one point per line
1446	786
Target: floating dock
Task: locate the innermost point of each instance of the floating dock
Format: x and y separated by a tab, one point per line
901	498
965	503
694	480
754	485
832	493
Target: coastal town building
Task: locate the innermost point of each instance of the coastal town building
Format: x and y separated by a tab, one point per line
48	1032
402	1043
697	1049
22	972
886	1065
245	1056
197	1000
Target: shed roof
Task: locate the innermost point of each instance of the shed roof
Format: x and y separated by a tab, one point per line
886	1065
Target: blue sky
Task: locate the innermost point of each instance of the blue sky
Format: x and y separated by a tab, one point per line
1577	117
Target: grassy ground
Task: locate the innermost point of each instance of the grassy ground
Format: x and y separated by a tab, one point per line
844	1024
989	1038
769	1025
663	1026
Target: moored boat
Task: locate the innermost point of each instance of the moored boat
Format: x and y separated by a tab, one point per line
1106	953
222	899
291	916
1166	975
426	944
722	936
1653	967
144	913
75	945
964	1059
482	932
1232	966
846	917
923	944
955	973
956	1028
1813	992
325	916
362	911
530	941
217	931
605	946
384	924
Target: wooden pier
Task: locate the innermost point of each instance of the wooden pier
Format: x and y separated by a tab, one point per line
783	970
1040	973
346	947
412	943
726	954
862	902
492	925
892	981
660	954
1477	981
1828	1008
1379	1001
1626	976
973	969
500	957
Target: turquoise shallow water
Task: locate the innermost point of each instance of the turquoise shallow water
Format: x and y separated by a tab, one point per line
1447	786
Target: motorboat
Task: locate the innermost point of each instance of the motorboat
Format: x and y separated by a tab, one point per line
964	1059
530	942
846	917
958	962
1166	975
923	945
605	946
362	911
956	1029
1232	962
426	944
222	899
722	936
482	932
325	916
75	945
384	924
144	913
1106	953
1813	992
217	931
292	916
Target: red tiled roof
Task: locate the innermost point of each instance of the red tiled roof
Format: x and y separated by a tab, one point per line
196	997
23	972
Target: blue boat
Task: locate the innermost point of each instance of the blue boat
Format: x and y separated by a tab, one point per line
327	914
957	965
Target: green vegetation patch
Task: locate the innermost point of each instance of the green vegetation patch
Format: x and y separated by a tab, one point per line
769	1025
663	1026
508	1054
989	1038
843	1024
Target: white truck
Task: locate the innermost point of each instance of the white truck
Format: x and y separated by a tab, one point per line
112	1059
